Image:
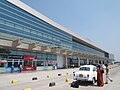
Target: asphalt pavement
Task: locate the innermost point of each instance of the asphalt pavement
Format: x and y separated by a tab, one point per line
63	81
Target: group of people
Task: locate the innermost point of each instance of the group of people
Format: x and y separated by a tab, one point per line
19	67
100	72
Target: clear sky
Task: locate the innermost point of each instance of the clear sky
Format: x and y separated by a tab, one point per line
97	20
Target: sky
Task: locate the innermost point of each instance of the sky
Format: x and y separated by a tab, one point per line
96	20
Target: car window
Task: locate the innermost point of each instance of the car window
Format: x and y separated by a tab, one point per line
84	69
94	69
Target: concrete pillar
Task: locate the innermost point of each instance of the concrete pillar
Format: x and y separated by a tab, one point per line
78	62
60	61
66	62
93	61
97	61
101	61
87	61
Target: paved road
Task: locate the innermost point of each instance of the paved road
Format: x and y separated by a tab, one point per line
42	82
115	85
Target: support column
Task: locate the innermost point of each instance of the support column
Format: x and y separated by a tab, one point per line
87	61
78	62
101	61
97	61
66	62
93	61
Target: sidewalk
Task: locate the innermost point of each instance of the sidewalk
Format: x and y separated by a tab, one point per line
24	77
6	79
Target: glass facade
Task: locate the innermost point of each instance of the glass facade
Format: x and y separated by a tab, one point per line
39	56
85	49
17	23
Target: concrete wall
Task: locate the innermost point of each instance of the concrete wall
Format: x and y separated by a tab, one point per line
2	70
5	42
45	68
60	61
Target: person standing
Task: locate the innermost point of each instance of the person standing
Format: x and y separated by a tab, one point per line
100	77
12	68
103	67
107	74
73	66
20	68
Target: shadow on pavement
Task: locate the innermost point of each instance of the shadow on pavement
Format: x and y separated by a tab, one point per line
76	84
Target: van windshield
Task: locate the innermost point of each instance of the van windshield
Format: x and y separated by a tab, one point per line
84	69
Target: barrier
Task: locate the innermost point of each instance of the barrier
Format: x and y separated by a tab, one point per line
34	78
67	80
48	76
27	89
14	81
59	74
51	84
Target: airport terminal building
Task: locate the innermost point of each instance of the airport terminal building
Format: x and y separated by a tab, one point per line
37	43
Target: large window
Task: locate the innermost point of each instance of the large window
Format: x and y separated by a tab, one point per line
28	63
86	49
10	64
2	64
50	63
40	63
17	20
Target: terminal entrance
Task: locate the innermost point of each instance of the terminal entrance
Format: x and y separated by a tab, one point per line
72	62
14	61
30	63
13	65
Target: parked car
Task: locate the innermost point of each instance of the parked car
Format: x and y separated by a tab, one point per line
86	73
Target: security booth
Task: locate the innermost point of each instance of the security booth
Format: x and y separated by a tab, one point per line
30	63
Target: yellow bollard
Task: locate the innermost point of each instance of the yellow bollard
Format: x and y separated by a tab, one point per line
14	81
27	89
48	76
67	80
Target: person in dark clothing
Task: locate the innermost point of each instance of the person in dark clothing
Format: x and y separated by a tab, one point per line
100	77
20	68
12	68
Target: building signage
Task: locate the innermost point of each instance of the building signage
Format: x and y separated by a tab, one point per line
27	57
3	61
29	68
15	56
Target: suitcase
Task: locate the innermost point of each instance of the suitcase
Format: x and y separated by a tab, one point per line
75	84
